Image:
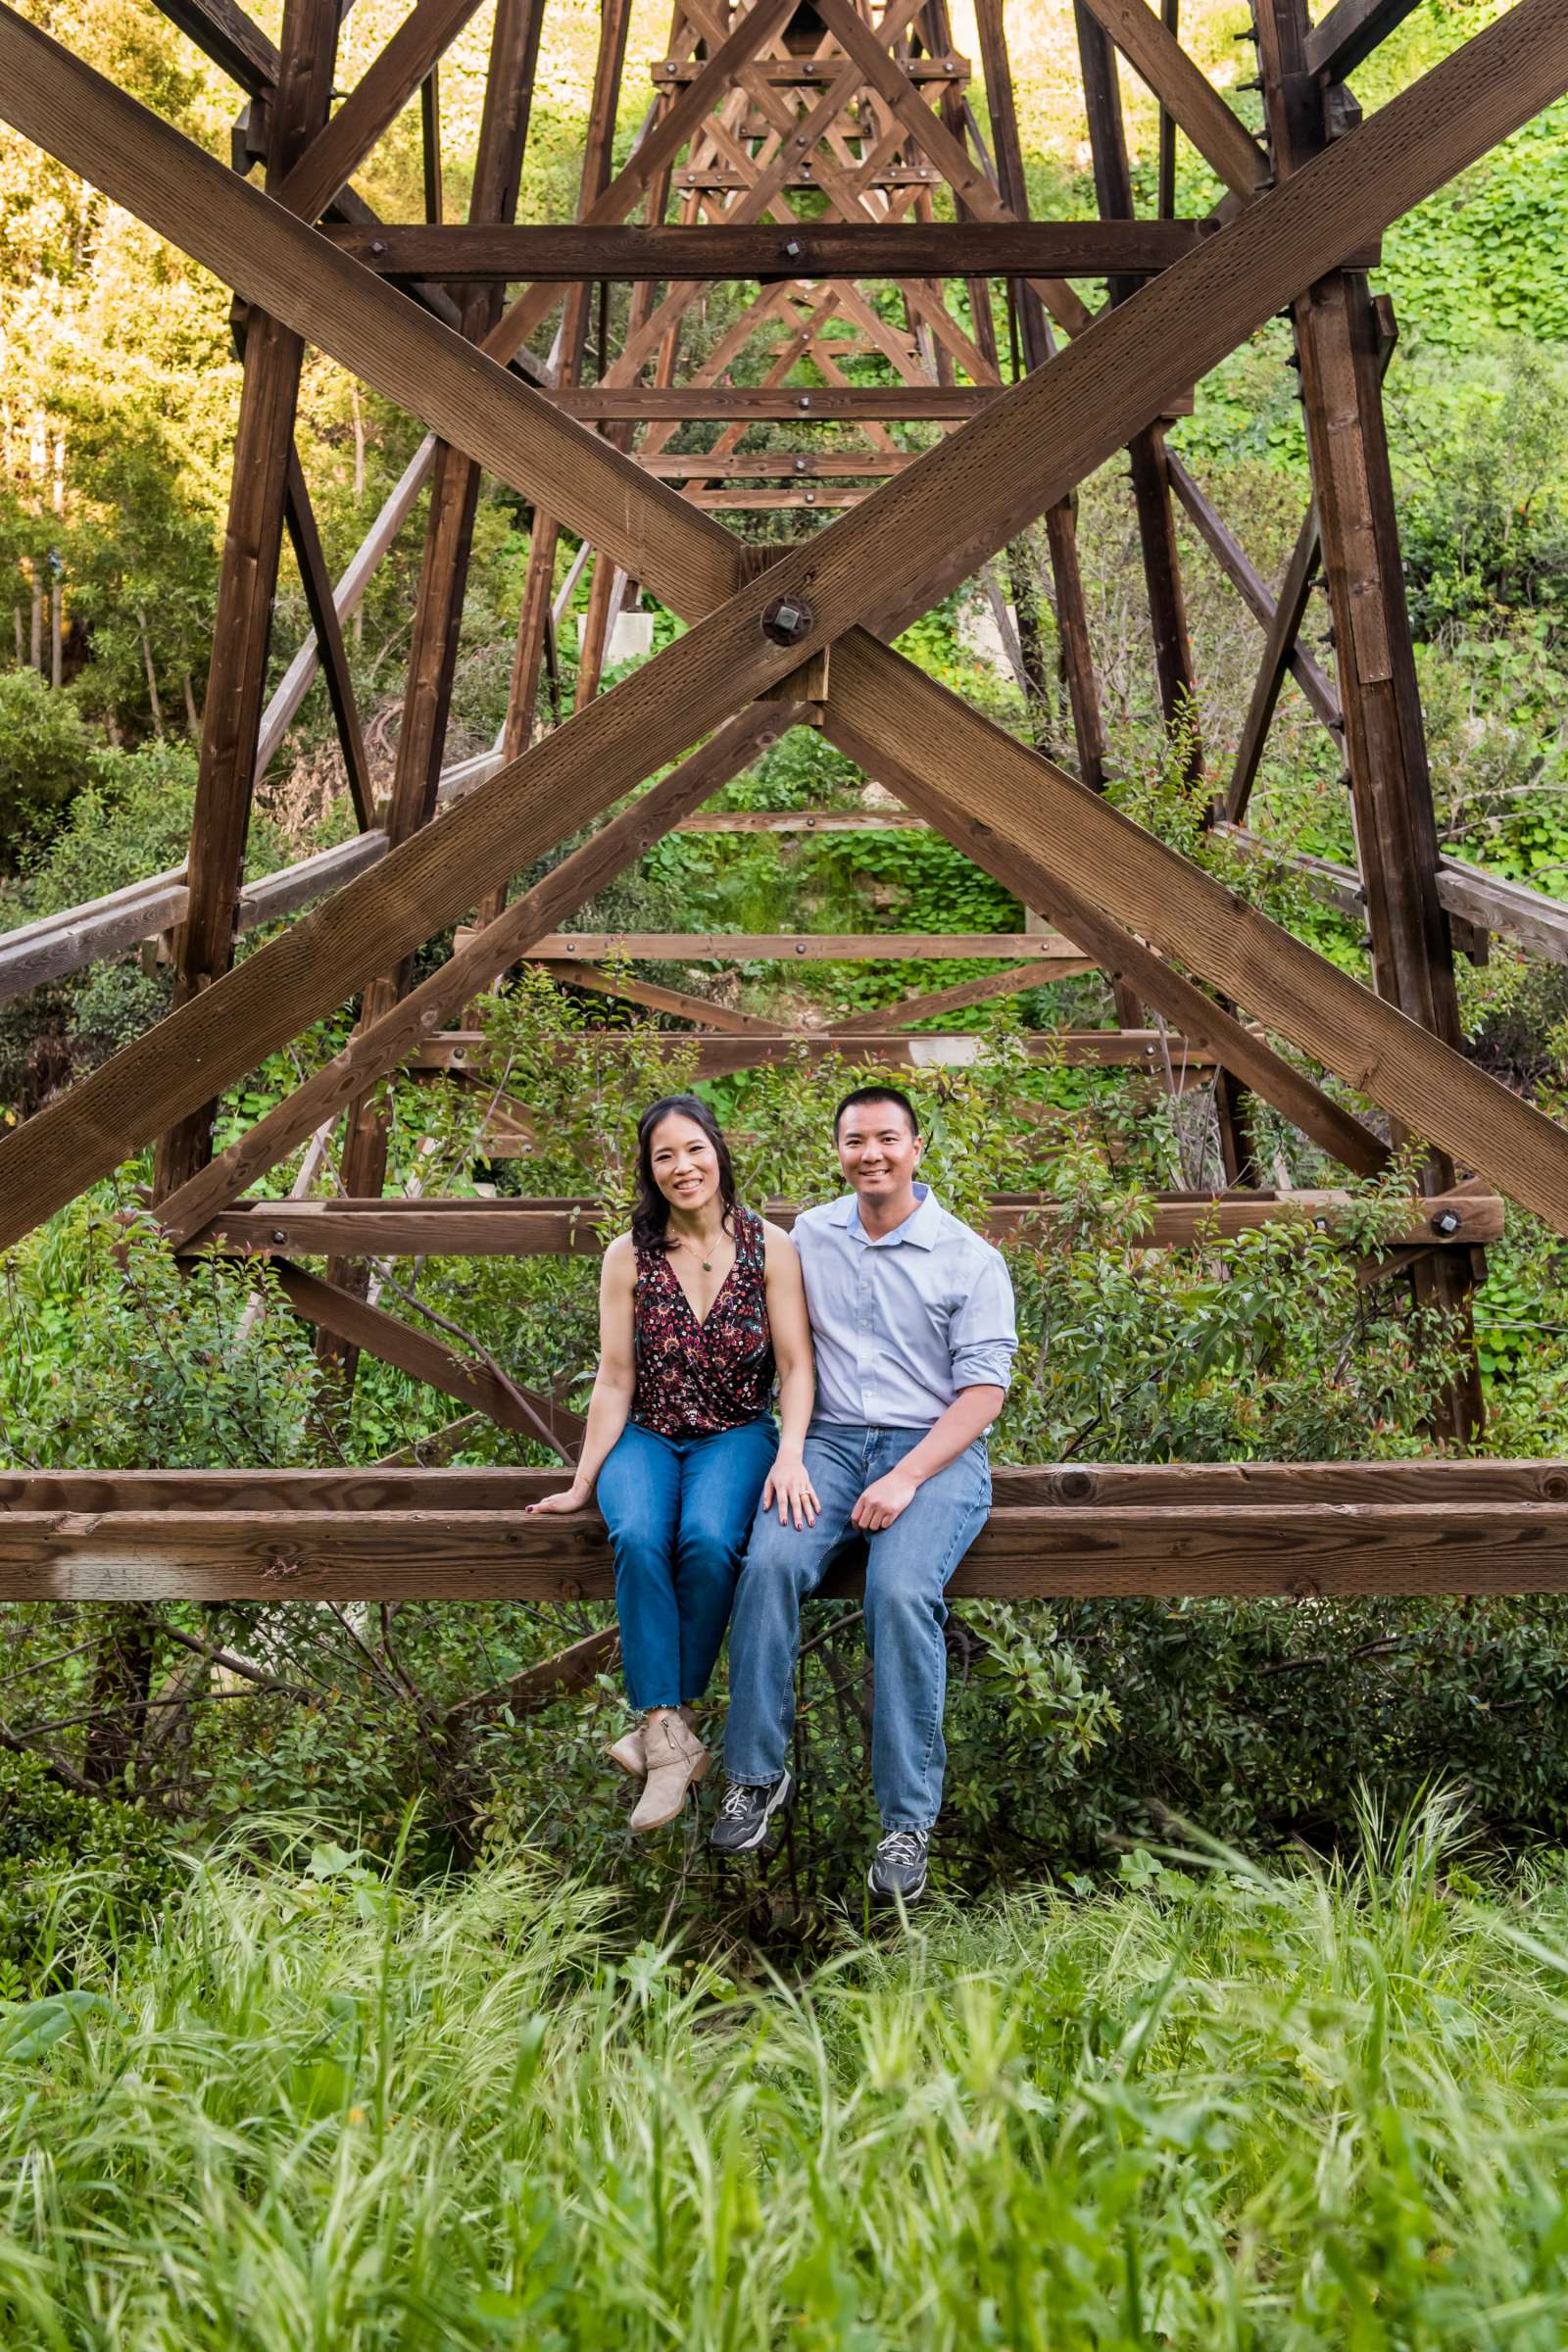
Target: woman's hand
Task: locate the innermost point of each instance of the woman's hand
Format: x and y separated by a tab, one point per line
575	1497
789	1485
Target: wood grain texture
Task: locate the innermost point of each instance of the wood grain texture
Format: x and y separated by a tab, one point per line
1186	94
464	1228
1298	1551
807	947
373	104
809	251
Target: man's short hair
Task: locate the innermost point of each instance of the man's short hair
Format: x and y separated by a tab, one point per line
876	1093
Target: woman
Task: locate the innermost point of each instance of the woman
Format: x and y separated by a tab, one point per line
697	1305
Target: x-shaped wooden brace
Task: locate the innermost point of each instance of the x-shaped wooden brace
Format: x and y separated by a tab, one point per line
913	540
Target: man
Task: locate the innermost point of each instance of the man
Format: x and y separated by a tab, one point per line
912	1320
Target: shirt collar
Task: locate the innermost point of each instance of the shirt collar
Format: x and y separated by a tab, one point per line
920	1227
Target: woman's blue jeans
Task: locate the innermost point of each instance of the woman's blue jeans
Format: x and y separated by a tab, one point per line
679	1512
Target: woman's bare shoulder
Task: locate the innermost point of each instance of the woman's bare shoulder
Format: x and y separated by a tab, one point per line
776	1239
620	1254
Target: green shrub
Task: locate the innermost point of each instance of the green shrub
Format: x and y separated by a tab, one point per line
74	1871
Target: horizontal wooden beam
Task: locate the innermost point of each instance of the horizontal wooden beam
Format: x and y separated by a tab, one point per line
462	1228
808	73
770	404
886	1049
806	250
1491	902
772	465
384	1535
807	947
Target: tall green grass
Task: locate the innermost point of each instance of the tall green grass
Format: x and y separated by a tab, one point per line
1218	2107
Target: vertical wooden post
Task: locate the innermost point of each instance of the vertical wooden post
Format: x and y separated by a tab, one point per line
1062	521
204	943
1150	476
1338	343
443	578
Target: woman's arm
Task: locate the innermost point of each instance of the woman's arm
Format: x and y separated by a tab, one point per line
788	1484
616	1381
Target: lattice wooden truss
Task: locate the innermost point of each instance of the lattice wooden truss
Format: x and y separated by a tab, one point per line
864	103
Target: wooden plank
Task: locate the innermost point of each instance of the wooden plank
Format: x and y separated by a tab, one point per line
427	1359
937	1001
848	946
1035	350
1350	33
799	820
1489	901
1446	1481
705	1010
321	603
489	952
761	403
501	1228
236	685
1072	1049
1190	100
1045	435
57	944
1303	1551
761	465
809	249
1244	575
228	36
373	105
1279	655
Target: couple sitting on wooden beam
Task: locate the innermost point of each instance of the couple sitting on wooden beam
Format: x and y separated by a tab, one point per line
889	1328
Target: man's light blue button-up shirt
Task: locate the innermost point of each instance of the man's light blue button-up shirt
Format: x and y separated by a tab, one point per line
901	1323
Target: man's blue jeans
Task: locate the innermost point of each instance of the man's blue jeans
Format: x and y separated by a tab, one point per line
907	1567
679	1510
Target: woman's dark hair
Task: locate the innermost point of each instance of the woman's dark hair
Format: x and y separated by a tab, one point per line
650	1216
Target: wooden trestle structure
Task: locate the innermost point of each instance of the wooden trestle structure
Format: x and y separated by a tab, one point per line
810	150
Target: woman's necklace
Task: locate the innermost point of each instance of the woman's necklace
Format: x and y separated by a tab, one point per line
707	1264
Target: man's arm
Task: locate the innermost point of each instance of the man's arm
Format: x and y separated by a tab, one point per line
971	1413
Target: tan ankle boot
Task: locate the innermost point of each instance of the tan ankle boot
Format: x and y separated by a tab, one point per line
676	1761
631	1755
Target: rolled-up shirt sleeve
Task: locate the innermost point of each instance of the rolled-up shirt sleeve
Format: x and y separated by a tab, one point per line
983	1335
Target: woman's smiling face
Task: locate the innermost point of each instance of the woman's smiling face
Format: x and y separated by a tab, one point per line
684	1162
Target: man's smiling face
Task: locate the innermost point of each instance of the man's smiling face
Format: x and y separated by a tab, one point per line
878	1149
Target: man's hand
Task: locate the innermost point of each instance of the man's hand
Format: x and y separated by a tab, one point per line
789	1485
883	1500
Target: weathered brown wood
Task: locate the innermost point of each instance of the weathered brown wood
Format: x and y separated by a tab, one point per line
1279	649
764	465
705	1010
373	105
502	1228
1073	1049
936	1001
1048	432
229	37
431	146
362	1326
1341	348
1158	60
236	684
1489	902
317	582
572	251
1244	575
1348	34
802	821
449	535
831	403
1146	452
1446	1480
806	947
1295	1551
373	1052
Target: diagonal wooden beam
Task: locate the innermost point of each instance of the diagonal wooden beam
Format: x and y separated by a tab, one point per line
1187	95
1260	599
1011	983
1350	33
373	105
956	505
327	624
375	1331
1279	655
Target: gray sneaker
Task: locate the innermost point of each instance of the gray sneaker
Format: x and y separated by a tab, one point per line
898	1871
746	1812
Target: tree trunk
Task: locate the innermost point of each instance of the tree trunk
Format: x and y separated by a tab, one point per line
152	675
121	1679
